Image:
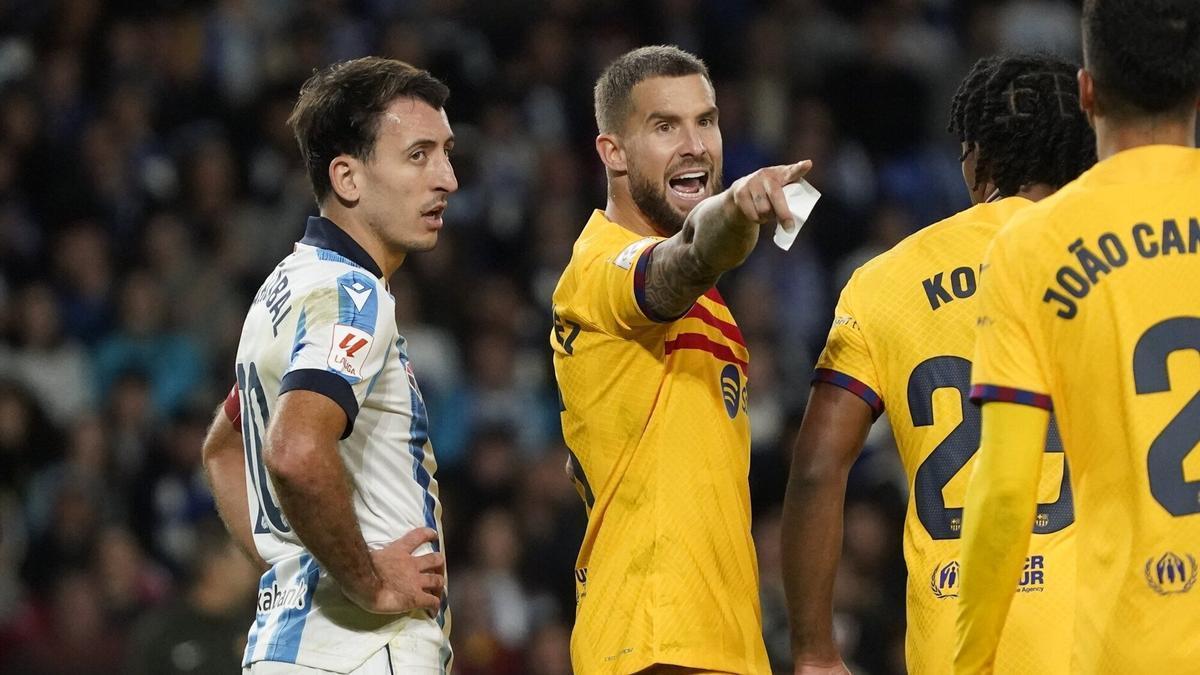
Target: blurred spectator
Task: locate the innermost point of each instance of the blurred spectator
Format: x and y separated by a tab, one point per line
204	629
51	365
70	633
501	393
144	342
27	439
170	498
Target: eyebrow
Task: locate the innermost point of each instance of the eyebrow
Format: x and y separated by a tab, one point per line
428	142
672	117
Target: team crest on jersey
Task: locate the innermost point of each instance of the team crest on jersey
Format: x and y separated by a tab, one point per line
1171	573
944	580
348	352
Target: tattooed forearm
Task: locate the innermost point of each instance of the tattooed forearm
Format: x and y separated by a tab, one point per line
716	237
675	277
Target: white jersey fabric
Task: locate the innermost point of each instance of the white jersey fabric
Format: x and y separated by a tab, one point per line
324	321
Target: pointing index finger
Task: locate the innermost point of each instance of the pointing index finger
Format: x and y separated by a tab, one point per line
795	172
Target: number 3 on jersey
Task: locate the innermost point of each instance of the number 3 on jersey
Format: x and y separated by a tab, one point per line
953	453
254	428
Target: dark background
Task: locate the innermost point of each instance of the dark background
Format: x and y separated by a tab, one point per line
148	184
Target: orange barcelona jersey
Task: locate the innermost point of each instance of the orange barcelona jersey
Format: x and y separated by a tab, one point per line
902	340
1090	305
654	411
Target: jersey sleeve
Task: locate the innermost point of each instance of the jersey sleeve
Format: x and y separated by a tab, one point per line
1006	366
846	360
342	342
612	290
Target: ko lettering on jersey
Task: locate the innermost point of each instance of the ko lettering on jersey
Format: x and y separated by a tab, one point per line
323	321
902	340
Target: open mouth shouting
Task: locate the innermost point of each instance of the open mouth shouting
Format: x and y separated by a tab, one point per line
689	185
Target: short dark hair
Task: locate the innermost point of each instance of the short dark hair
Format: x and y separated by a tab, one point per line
339	108
1021	114
1144	55
614	89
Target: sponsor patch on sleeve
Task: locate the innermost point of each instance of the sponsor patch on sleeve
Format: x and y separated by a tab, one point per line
348	353
625	258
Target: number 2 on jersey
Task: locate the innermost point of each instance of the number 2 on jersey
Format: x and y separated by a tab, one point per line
953	453
1164	461
254	427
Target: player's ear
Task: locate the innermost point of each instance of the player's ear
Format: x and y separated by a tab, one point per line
343	175
611	153
1087	94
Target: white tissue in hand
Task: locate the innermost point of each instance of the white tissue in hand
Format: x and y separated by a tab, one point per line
801	198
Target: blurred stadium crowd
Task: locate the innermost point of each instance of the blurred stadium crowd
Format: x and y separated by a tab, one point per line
148	183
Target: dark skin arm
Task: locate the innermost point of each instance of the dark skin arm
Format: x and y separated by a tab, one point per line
831	437
225	468
717	236
314	492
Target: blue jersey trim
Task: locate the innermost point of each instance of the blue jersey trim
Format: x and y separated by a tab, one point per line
260	619
285	645
418	436
323	233
301	333
984	393
852	385
330	385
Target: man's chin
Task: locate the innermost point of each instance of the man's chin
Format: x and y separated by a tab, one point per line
420	244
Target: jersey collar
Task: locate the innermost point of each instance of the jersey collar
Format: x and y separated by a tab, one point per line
321	232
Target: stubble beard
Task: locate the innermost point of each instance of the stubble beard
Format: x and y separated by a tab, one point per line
651	200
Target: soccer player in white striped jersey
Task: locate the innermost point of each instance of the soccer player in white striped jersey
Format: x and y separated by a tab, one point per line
334	489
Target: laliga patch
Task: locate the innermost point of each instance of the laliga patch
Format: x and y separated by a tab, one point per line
348	353
625	258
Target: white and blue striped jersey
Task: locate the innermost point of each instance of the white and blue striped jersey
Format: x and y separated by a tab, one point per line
324	321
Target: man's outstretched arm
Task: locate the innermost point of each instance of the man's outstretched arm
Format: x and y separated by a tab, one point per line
717	236
831	437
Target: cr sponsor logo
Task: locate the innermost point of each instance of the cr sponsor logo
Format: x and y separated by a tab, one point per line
1033	578
1171	573
947	577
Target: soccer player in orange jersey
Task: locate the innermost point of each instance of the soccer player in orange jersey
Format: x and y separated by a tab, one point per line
651	368
902	340
1090	306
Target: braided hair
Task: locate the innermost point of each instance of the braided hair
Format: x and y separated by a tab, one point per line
1021	114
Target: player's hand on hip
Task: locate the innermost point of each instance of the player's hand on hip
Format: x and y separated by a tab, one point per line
759	197
407	581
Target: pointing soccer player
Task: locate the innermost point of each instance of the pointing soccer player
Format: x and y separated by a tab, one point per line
651	368
901	341
1090	306
337	493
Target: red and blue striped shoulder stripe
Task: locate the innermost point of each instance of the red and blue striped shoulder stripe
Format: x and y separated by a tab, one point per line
982	393
839	379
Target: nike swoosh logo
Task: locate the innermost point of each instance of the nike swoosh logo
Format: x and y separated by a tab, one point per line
359	298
